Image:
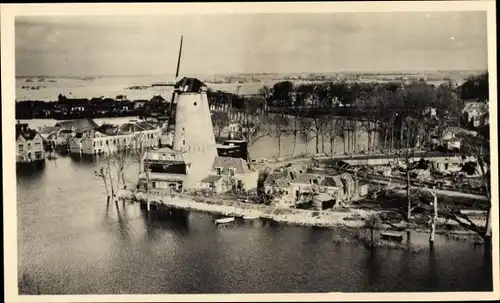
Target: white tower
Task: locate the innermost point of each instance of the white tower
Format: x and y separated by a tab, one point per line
193	130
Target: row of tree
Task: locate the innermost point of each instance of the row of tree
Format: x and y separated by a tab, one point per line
402	115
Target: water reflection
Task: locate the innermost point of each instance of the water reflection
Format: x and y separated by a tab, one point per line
167	219
83	160
30	171
372	268
432	281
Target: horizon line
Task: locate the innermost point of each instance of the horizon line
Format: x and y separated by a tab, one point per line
264	73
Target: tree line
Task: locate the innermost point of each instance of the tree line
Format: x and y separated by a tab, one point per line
404	115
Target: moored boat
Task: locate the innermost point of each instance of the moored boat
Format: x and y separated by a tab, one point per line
224	220
250	217
391	236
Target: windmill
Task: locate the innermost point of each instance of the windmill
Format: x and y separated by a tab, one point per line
172	107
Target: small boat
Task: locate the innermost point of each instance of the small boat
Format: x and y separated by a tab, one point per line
391	236
251	217
224	220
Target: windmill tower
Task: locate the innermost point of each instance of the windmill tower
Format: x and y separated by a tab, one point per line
193	133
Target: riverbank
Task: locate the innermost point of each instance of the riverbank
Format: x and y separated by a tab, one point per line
344	218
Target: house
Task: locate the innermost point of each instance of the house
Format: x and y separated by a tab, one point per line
124	106
485	119
453	131
29	145
237	171
108	138
234	148
167	171
278	181
214	184
454	144
46	131
232	130
431	112
139	104
446	165
323	201
60	137
474	111
341	186
157	99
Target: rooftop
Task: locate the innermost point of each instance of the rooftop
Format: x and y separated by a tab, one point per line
164	154
241	166
108	129
164	177
306	178
279	178
336	180
25	132
132	127
323	197
189	85
80	124
211	179
47	129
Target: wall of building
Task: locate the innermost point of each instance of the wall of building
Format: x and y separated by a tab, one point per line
218	186
105	144
249	180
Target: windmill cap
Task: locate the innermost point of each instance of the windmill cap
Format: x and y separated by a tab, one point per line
190	85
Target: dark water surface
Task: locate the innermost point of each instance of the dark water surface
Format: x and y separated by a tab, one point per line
69	242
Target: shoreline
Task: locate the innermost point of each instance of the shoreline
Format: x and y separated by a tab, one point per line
347	219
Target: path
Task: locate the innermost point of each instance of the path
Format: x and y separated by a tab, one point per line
444	192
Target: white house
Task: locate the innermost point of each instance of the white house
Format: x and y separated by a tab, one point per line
29	145
128	135
238	169
474	112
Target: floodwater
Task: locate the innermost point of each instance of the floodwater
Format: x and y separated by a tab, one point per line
265	147
47	89
71	242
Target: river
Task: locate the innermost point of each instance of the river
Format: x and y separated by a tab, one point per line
70	242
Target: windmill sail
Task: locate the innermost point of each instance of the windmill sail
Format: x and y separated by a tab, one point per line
172	109
179	61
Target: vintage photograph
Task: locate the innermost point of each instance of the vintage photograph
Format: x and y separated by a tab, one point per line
253	153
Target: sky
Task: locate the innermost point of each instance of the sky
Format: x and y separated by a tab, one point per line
253	43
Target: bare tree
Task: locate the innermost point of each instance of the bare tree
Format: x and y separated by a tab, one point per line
250	120
108	173
279	127
333	129
220	121
305	131
412	118
299	113
477	147
103	173
368	108
411	129
139	155
317	126
266	93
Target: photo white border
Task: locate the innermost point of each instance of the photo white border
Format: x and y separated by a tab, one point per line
8	13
